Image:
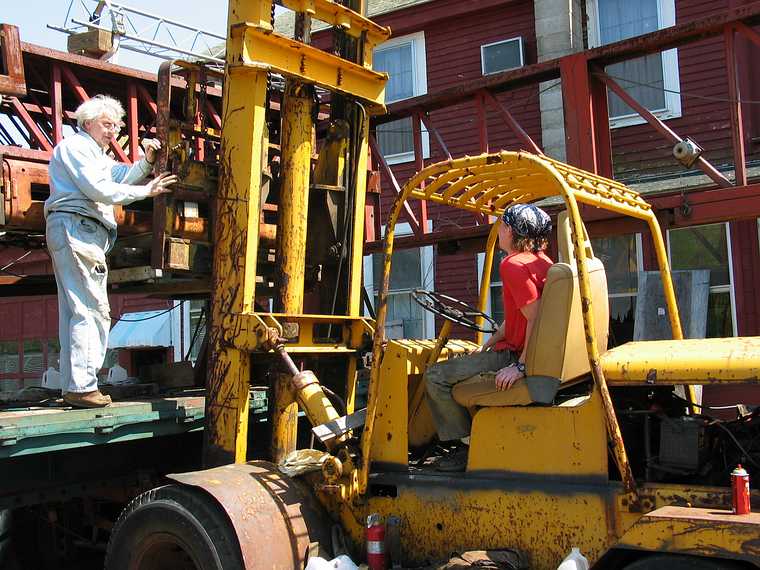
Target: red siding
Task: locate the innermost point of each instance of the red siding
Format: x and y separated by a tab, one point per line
746	258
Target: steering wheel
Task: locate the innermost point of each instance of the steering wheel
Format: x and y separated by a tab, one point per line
453	310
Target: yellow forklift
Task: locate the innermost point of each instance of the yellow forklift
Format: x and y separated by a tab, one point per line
593	449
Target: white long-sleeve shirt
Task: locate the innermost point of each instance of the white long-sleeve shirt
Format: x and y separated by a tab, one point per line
85	180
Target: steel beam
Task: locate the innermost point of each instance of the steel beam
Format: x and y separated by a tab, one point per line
512	123
34	130
425	118
735	106
661	127
259	48
350	22
133	125
56	102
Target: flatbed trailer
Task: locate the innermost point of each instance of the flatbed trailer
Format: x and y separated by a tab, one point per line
62	470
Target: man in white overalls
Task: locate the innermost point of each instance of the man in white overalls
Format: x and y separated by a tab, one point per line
85	184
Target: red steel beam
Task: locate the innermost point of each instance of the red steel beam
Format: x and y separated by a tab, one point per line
30	124
147	99
82	95
747	32
419	162
213	115
661	127
56	102
579	118
133	126
512	123
425	118
386	170
735	106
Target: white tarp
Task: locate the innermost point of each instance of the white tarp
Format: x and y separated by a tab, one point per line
151	329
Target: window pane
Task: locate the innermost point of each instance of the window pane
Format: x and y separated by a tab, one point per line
501	56
33	357
622	19
405	318
9	357
405	269
199	324
618	254
701	247
398	63
719	319
395	137
53	353
622	316
645	70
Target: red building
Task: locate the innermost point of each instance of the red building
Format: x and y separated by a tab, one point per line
518	74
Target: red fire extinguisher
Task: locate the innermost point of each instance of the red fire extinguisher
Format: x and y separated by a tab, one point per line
740	488
376	543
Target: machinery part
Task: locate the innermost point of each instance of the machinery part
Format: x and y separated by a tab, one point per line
677	562
454	310
275	516
687	152
173	527
309	393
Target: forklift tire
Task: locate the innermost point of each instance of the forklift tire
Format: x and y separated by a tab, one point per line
679	562
175	527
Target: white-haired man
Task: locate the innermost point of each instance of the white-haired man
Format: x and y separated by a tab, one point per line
85	184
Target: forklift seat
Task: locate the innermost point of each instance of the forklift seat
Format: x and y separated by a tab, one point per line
557	346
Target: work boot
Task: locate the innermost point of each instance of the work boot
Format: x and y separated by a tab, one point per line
455	461
92	399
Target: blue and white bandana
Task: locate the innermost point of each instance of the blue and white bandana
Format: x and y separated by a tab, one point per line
527	220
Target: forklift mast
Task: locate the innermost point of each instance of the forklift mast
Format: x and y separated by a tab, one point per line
254	52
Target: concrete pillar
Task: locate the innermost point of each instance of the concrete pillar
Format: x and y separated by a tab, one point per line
559	32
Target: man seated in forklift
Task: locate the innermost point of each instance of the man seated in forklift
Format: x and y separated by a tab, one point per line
523	237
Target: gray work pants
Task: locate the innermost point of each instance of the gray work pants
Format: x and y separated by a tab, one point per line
77	247
452	420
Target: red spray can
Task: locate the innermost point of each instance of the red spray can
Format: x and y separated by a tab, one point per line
376	559
740	488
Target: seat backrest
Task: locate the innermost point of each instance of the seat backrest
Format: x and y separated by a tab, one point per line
557	344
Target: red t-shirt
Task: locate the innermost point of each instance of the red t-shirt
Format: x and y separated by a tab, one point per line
523	276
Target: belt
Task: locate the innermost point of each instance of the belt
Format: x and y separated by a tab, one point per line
96	220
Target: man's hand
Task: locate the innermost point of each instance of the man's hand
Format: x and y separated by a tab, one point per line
159	184
151	148
506	377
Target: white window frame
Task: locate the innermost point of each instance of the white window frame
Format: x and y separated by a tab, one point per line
419	87
483	59
481	264
731	287
666	10
427	278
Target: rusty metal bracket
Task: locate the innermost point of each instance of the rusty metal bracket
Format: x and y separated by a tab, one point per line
13	82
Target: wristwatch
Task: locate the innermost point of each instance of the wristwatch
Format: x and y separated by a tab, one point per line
521	367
